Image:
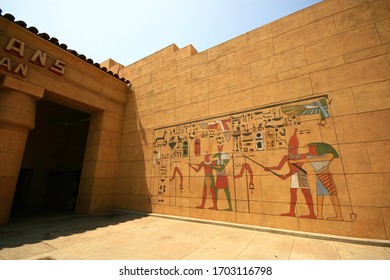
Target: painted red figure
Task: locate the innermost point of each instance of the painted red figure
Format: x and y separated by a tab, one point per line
298	177
209	181
222	178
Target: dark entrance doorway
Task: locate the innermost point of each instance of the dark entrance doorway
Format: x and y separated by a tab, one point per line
50	173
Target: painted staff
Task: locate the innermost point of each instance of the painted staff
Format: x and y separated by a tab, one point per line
276	174
248	168
176	170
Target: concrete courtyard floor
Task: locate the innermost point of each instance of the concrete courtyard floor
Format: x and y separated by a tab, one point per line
136	236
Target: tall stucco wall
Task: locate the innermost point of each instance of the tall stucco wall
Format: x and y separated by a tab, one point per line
332	58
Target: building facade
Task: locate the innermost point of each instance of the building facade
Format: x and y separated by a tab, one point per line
285	126
70	110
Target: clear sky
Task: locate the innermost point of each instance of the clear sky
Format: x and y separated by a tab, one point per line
129	30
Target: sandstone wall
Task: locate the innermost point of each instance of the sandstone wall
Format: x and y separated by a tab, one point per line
332	58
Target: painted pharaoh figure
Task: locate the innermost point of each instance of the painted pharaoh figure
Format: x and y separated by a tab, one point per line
298	177
208	182
222	178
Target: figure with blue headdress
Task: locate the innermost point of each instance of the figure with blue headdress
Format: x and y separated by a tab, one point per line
320	155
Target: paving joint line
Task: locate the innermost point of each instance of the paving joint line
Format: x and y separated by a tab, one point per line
326	237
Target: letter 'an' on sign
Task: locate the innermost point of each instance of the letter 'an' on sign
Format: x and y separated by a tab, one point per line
15	46
58	67
22	69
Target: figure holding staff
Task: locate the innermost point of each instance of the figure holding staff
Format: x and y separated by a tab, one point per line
298	177
320	156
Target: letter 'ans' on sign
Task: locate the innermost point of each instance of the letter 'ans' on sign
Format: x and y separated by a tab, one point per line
17	47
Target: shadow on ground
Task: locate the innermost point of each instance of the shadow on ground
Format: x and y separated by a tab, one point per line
37	229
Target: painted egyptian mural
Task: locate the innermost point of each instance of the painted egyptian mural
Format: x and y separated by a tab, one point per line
271	160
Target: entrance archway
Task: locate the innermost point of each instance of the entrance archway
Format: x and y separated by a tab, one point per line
51	168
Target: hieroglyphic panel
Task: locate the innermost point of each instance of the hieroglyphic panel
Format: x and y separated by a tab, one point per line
216	163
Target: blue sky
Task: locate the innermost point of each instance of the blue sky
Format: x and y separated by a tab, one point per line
129	30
